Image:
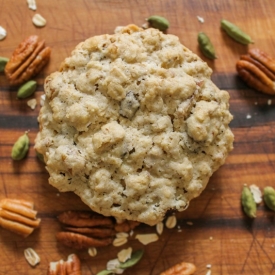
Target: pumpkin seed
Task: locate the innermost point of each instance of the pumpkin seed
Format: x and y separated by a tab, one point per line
269	197
235	32
248	203
3	63
27	89
206	46
158	22
136	256
105	272
20	147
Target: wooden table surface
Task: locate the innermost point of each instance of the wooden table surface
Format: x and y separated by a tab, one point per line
220	235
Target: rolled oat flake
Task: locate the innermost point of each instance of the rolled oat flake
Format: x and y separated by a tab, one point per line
3	33
31	256
92	251
38	20
31	4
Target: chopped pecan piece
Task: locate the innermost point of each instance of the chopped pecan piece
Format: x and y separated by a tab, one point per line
126	226
79	241
84	219
27	60
18	216
70	267
257	69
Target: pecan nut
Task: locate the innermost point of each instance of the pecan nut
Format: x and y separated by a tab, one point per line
126	226
182	268
27	60
92	231
84	219
18	216
79	241
257	69
85	229
70	267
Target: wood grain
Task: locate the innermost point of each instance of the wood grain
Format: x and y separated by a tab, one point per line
220	235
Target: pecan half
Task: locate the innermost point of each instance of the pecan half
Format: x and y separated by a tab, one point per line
257	69
18	216
182	268
27	60
84	219
96	232
79	241
85	229
70	267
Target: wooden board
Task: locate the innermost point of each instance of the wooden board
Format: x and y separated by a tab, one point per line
220	235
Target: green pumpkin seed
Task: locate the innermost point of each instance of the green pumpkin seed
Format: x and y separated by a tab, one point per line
20	147
136	256
248	203
235	32
206	46
158	22
3	62
105	272
27	89
269	197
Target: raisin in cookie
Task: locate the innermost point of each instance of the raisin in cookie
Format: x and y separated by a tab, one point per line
133	124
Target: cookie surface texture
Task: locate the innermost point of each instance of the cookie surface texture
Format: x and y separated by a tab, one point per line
133	124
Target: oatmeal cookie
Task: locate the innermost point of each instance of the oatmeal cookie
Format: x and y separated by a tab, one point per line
133	124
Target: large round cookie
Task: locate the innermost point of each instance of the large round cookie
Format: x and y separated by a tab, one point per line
133	124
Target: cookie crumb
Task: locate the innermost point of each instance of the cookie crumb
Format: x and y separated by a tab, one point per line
31	4
3	33
200	19
256	192
42	100
159	228
32	103
147	238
